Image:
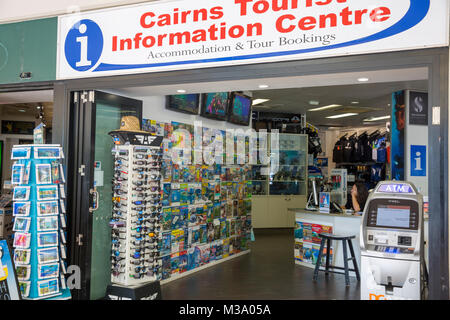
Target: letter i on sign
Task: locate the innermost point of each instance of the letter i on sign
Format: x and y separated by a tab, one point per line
83	41
418	161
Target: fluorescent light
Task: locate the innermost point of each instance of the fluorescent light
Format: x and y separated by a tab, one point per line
259	101
342	115
181	91
263	86
363	79
355	102
377	118
22	110
314	103
326	107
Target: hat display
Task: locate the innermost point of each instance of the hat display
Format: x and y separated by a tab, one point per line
130	124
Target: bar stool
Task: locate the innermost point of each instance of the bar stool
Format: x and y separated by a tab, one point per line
345	239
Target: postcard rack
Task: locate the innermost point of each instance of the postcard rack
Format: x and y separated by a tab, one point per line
39	221
136	212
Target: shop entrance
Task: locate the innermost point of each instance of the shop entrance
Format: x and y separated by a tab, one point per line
95	120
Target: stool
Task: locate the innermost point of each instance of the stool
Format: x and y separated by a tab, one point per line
328	237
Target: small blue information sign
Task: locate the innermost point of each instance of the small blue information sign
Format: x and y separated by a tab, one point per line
418	161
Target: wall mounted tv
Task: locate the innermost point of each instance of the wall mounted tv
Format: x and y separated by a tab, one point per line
215	105
240	109
186	103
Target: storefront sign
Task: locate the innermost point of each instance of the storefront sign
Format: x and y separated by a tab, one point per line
418	161
418	108
181	34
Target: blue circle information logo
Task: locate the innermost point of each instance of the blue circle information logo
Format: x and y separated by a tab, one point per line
84	45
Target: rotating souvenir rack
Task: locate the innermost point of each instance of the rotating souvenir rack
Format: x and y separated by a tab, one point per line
136	212
39	221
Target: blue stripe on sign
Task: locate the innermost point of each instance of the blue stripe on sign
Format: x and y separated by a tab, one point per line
416	13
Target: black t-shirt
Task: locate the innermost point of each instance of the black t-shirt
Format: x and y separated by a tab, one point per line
338	151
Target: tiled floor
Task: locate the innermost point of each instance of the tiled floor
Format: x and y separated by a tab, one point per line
268	272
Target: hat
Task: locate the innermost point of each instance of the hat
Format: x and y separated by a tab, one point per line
130	124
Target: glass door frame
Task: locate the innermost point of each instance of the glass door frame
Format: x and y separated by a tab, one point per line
81	173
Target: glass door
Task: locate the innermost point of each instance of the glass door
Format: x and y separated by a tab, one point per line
103	113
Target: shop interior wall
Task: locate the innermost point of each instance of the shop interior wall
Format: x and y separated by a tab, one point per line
154	108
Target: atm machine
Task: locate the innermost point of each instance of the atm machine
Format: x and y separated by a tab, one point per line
392	244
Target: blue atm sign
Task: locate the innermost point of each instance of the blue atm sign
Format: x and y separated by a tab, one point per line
396	188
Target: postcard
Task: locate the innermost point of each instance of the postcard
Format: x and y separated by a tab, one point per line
47	271
22	256
23	272
48	287
48	255
21	193
22	240
47	208
17	173
47	192
47	223
43	173
24	287
21	208
47	152
47	239
19	153
26	174
21	224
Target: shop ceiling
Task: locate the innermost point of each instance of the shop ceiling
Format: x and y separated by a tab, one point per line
294	94
24	105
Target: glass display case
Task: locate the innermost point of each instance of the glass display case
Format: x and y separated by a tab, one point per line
288	168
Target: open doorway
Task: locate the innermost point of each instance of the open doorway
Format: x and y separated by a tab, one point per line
351	102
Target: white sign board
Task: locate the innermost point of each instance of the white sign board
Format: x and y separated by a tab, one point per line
182	34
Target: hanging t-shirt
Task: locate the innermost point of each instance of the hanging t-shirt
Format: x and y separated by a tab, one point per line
348	149
338	151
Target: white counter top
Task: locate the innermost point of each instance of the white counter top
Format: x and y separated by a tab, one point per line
304	211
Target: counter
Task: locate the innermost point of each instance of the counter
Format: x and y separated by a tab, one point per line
341	224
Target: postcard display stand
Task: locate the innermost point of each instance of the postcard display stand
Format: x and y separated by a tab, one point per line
39	221
135	224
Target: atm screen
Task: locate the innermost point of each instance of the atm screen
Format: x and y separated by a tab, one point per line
393	216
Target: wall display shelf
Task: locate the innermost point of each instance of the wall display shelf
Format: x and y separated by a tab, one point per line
286	184
39	221
205	208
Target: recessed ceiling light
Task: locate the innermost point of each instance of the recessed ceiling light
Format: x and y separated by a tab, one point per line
331	106
263	86
355	102
344	115
259	101
363	79
22	110
314	103
376	118
181	91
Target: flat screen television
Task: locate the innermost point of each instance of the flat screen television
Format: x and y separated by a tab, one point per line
240	109
215	105
186	103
